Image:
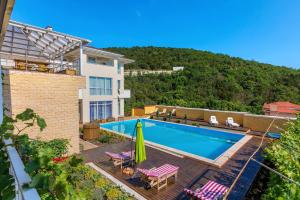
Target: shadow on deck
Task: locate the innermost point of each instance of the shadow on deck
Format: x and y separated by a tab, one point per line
192	173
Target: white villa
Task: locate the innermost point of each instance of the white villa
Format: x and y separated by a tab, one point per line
31	48
104	94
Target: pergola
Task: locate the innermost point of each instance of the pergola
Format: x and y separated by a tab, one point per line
34	43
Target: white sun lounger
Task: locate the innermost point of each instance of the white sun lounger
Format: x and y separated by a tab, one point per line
213	120
231	123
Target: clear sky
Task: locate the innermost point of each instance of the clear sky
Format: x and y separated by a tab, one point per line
263	30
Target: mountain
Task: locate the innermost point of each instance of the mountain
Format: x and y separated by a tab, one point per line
209	80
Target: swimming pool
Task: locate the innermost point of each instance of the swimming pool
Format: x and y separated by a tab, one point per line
206	143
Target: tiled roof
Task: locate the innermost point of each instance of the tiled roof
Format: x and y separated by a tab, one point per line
282	107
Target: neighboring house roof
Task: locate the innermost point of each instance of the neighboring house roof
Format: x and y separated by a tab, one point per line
282	107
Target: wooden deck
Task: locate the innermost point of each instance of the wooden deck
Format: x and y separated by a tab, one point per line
192	173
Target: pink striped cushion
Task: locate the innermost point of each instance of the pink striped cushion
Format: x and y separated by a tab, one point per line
210	191
160	171
128	153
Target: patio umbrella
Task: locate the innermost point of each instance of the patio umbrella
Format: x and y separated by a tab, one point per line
140	151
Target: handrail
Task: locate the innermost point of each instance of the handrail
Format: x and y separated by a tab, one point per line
19	174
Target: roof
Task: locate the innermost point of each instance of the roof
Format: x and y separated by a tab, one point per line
282	107
101	51
107	54
33	41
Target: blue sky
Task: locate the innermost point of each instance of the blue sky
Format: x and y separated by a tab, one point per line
263	30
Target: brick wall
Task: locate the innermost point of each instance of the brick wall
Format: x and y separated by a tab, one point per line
53	96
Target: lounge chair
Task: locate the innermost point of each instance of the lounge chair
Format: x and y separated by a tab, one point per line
213	121
210	191
119	159
231	123
164	112
173	112
158	177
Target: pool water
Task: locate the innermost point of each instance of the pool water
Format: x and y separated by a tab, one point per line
203	142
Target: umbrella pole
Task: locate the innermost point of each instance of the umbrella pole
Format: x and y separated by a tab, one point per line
134	131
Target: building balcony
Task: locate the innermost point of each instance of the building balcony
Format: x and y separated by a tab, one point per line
126	94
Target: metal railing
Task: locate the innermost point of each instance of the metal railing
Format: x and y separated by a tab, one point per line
19	174
126	94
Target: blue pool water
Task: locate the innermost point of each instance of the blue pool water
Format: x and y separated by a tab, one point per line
203	142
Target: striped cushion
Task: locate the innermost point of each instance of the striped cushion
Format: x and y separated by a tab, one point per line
128	153
210	191
117	155
160	171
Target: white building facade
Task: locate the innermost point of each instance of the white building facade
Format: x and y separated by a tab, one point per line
104	94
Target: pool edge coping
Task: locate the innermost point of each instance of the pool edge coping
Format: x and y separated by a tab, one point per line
218	162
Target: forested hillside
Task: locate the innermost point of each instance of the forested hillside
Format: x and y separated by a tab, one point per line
209	80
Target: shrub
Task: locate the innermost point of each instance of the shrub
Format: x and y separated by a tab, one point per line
157	113
151	116
185	118
194	124
165	119
105	139
178	121
54	176
113	193
109	137
284	154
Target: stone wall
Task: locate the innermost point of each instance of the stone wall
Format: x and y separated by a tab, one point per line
247	120
191	113
137	112
262	122
53	96
168	108
150	109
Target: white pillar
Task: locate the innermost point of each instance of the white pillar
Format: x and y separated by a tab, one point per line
80	59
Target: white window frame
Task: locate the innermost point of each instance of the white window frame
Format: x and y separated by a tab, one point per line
98	91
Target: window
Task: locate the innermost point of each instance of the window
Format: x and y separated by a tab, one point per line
100	86
91	60
119	68
100	110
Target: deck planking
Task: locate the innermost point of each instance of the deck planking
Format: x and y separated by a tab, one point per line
192	173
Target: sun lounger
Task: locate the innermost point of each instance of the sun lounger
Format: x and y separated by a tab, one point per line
120	158
158	177
213	120
164	112
173	112
210	191
231	123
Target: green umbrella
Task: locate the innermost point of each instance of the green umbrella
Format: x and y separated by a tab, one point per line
140	152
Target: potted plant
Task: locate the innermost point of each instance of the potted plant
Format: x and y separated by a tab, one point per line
169	115
185	118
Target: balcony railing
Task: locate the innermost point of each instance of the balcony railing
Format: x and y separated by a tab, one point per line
125	95
20	176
